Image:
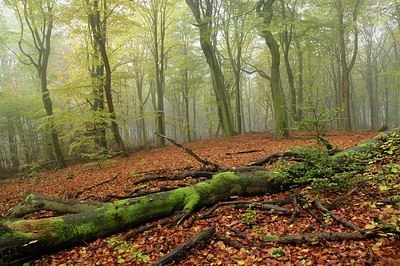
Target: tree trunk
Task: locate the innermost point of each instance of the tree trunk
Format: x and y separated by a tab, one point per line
221	94
346	67
264	10
99	33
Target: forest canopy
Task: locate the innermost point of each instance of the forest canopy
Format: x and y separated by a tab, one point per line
93	78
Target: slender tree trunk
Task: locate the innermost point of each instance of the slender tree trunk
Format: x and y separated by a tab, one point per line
12	143
205	29
99	32
300	81
264	10
345	66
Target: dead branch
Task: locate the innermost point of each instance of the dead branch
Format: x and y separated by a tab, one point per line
229	242
78	193
336	202
195	173
296	209
247	202
243	152
191	153
276	156
330	236
34	202
180	252
343	221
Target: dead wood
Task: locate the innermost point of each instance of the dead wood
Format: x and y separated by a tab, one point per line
330	236
182	251
296	209
343	221
21	240
338	201
191	153
78	193
248	202
289	155
196	173
315	216
387	201
34	202
243	152
229	242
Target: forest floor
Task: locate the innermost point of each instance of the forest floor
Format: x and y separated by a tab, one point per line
246	228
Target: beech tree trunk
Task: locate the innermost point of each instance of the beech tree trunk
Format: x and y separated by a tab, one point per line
21	240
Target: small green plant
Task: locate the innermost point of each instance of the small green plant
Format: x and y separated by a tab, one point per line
134	174
317	169
125	251
250	216
277	252
30	170
315	118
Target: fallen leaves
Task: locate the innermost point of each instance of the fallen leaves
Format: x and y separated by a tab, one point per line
158	241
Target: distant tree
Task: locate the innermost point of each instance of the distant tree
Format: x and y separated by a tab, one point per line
346	65
38	18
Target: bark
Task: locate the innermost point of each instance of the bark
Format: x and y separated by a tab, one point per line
22	240
203	16
34	202
330	236
345	66
264	10
98	28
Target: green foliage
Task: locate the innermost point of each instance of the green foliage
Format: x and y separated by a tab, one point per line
250	216
277	252
317	169
316	117
30	170
126	251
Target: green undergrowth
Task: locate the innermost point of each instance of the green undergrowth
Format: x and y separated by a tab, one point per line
321	171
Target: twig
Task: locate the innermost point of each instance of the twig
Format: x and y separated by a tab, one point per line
190	152
335	203
274	157
296	209
78	193
243	152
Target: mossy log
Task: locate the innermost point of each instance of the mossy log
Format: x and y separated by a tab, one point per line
21	240
34	202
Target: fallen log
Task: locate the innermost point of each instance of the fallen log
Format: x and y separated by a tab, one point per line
24	239
21	240
330	236
34	202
